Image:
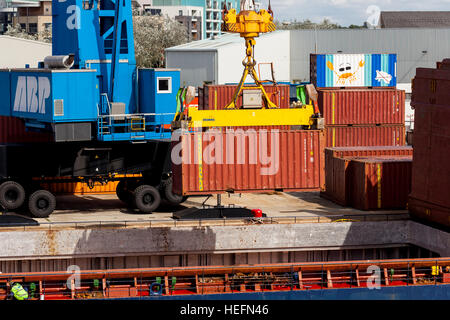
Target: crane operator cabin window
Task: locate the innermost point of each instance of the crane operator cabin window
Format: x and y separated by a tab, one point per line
164	85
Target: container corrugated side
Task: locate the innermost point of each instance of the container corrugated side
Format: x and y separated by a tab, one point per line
296	159
431	169
380	184
349	136
216	97
362	106
429	211
431	86
375	151
337	178
353	70
338	167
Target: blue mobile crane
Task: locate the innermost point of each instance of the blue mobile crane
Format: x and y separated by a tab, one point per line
108	119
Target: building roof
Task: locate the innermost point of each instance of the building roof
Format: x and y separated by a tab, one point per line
215	43
415	19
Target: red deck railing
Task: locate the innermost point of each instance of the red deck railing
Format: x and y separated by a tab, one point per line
135	283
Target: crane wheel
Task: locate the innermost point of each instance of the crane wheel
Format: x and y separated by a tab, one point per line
123	193
169	196
12	195
41	203
146	198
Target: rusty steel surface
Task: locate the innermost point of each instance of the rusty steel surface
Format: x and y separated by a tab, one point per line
375	151
431	168
337	180
380	183
431	86
429	211
362	106
295	162
190	281
12	130
210	270
216	97
351	136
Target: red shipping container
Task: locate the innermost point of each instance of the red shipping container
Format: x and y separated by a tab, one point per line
350	136
362	106
431	168
431	86
338	167
216	97
380	183
337	180
428	211
376	151
295	159
12	130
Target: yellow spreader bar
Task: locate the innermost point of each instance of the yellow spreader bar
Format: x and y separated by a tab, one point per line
251	117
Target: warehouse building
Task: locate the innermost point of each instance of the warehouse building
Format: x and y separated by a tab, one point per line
19	52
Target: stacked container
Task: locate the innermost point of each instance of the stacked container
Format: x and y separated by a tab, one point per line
358	99
430	196
368	177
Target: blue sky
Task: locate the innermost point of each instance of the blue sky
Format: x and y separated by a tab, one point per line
346	12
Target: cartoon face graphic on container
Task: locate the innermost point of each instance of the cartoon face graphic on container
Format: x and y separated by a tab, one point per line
346	72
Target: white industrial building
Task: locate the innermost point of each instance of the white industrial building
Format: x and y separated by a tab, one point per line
16	52
219	60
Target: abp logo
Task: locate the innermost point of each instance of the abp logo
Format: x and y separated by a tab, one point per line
31	94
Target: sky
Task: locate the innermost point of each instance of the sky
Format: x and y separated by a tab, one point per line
346	12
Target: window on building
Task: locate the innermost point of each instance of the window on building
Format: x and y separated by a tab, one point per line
32	28
23	26
48	26
164	85
180	13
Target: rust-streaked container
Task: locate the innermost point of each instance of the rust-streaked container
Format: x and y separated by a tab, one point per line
380	183
350	136
216	97
431	168
295	160
338	167
362	106
12	130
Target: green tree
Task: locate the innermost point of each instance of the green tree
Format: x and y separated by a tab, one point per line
18	32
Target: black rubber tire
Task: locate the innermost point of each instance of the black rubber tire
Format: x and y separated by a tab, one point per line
146	198
41	203
169	196
12	195
123	194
